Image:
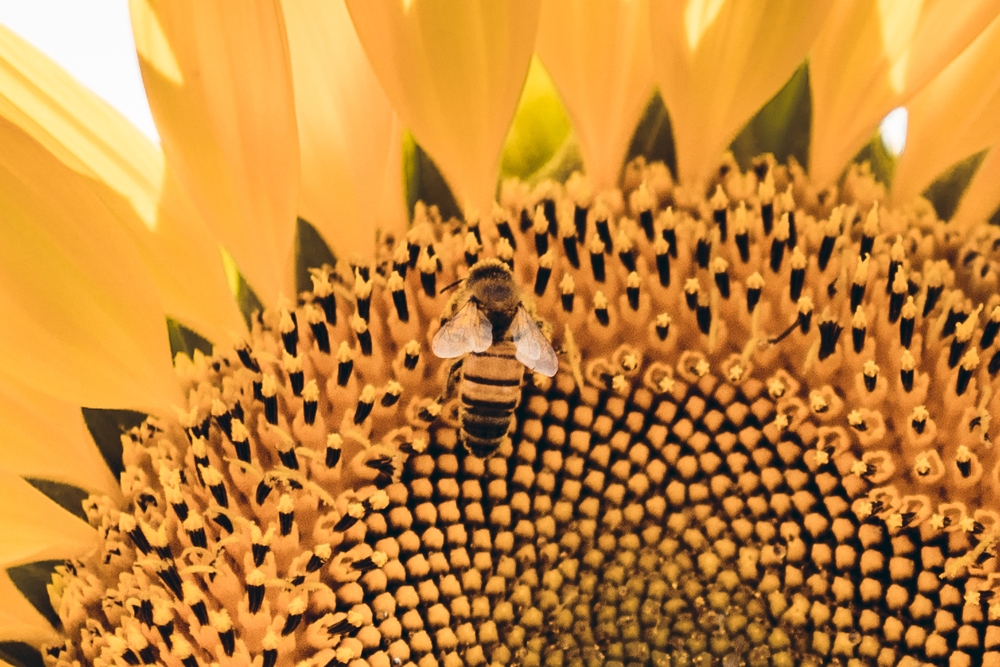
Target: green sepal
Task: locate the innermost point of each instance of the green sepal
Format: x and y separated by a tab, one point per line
781	127
32	580
311	252
947	189
536	142
653	138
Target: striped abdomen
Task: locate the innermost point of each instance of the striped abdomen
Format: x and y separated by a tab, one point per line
488	393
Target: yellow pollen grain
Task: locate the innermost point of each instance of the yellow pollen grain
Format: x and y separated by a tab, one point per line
505	252
719	200
783	228
286	324
321	283
861	271
872	225
970	360
539	223
624	243
567	285
291	364
220	620
600	301
596	246
218	408
906	360
269	385
642	199
798	259
899	283
310	392
788	199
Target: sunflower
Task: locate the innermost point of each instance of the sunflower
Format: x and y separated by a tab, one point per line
769	441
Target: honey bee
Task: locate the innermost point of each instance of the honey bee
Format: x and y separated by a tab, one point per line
487	325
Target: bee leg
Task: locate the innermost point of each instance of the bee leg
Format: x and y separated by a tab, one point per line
454	374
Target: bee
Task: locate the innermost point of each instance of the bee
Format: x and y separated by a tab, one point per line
487	325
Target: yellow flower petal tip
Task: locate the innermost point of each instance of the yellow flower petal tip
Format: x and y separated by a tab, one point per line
600	58
349	135
228	126
871	57
454	74
717	63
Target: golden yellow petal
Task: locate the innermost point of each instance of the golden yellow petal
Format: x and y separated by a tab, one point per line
46	438
717	63
453	72
982	198
952	117
19	620
81	318
36	528
219	84
93	139
599	56
870	58
349	136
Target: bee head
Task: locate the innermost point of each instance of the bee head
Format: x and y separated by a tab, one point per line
492	284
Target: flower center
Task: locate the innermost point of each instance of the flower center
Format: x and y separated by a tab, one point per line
768	443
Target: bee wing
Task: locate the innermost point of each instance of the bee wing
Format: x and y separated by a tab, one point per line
532	348
466	331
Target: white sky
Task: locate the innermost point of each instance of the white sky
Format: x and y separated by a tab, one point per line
92	39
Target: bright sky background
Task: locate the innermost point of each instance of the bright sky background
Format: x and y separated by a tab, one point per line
92	39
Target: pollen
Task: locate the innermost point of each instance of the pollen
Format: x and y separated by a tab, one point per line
717	475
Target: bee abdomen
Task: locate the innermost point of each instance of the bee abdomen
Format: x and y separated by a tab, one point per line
490	391
483	427
483	434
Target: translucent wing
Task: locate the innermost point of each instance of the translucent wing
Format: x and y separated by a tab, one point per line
532	348
466	331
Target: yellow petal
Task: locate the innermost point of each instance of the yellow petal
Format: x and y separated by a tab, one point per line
350	139
718	62
952	117
33	528
36	528
599	56
93	139
982	198
220	88
19	620
44	437
81	318
454	72
870	58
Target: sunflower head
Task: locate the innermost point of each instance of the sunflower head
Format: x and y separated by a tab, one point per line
705	411
728	468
